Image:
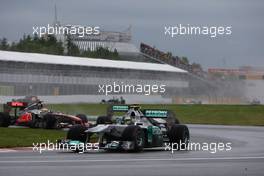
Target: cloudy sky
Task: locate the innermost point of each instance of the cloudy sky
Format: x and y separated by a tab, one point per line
148	17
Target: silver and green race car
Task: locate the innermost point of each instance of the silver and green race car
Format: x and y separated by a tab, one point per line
135	130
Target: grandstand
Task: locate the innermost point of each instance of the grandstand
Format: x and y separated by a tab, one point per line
78	79
42	74
167	58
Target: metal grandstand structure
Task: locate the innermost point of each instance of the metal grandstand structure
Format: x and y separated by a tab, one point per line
42	74
120	41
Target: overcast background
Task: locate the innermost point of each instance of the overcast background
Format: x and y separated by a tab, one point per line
148	17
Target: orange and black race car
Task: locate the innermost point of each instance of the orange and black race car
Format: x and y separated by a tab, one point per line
30	112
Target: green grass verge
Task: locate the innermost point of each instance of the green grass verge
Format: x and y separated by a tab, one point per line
25	137
193	114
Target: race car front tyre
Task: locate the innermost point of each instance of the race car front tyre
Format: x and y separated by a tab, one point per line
136	135
77	132
4	120
180	135
83	117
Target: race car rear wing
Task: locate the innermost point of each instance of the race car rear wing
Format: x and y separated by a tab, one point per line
123	108
156	113
120	108
17	104
149	113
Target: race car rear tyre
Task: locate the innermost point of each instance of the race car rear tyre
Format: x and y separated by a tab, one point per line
180	135
4	120
103	120
49	121
136	135
177	121
83	117
34	121
172	119
77	132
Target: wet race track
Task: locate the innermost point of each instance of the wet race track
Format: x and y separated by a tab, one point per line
245	158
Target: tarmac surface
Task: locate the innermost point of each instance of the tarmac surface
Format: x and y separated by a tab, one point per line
241	153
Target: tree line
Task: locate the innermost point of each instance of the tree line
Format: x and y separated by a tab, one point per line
50	45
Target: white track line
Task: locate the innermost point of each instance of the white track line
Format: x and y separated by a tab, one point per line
133	160
7	150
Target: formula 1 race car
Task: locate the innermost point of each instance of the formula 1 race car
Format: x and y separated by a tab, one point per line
114	101
30	112
136	130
